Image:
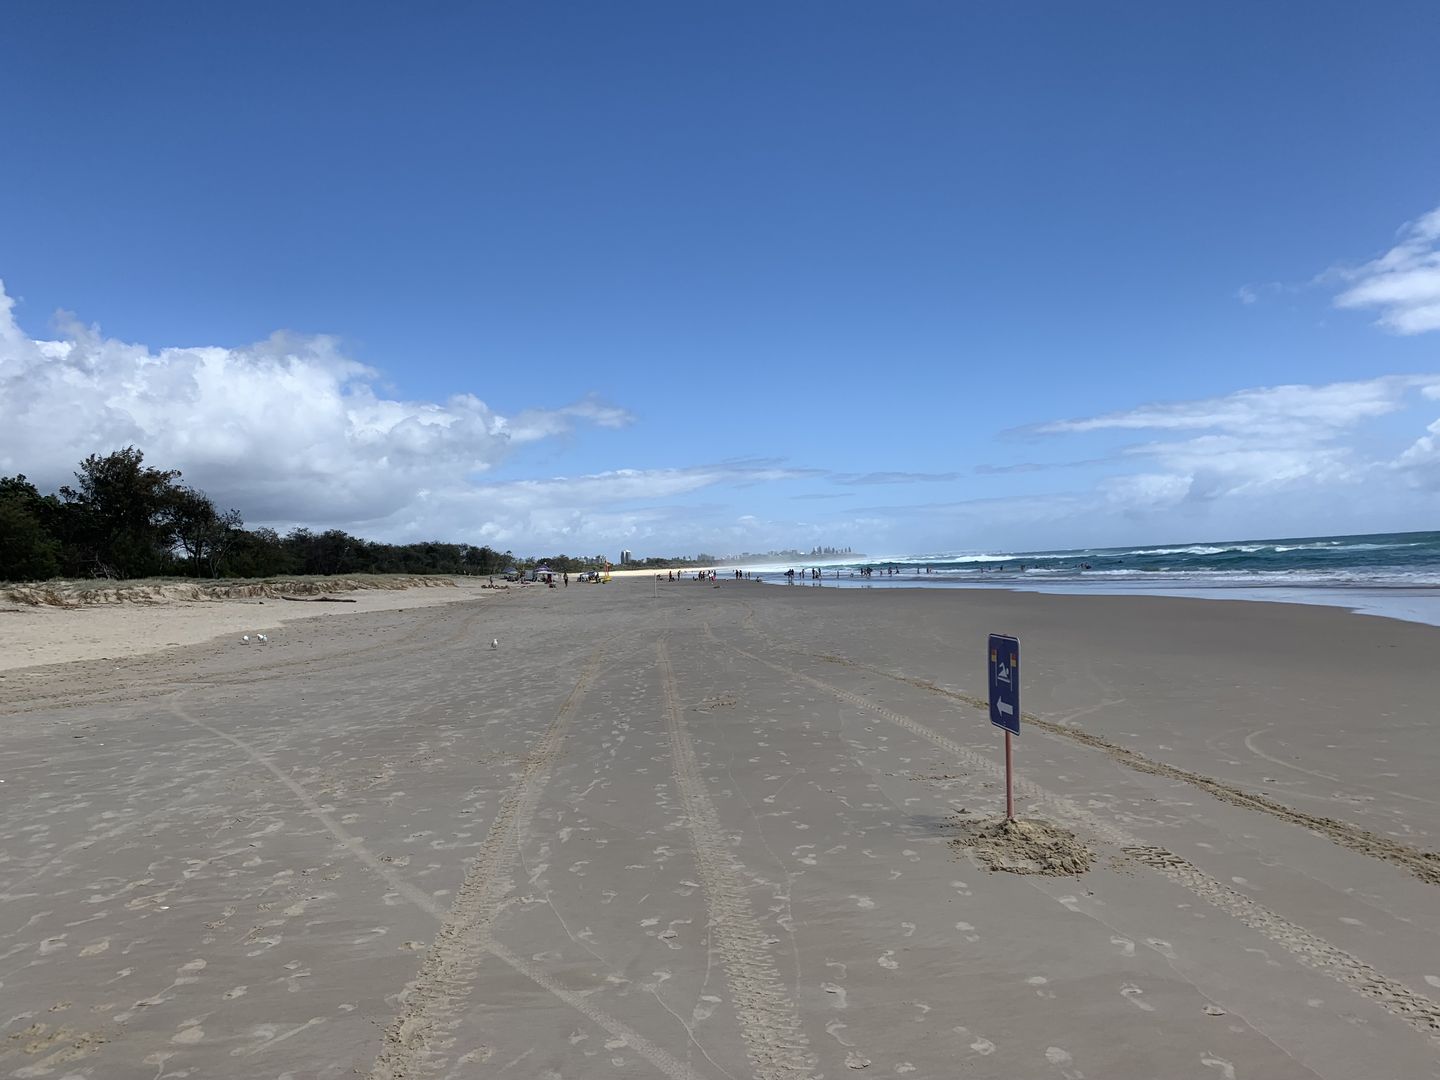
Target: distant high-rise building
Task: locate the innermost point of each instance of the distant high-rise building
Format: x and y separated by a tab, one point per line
624	556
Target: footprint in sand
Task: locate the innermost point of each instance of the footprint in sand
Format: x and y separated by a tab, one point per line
1133	992
1127	947
887	962
838	991
1040	982
1225	1068
983	1046
1164	948
705	1011
863	902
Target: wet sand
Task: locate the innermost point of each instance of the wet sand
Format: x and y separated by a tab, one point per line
713	833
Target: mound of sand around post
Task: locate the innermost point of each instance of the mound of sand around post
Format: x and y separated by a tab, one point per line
74	594
1024	847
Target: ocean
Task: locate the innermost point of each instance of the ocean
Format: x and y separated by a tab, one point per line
1391	574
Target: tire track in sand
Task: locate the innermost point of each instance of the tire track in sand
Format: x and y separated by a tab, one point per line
418	1042
1419	1011
1424	865
769	1022
665	1062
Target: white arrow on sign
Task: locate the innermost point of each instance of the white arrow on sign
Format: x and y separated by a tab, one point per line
1005	708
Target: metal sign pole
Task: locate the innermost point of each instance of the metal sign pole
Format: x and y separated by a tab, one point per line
1009	788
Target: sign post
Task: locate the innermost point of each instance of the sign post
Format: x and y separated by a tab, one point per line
1005	702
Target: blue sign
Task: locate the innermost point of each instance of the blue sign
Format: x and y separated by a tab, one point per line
1005	683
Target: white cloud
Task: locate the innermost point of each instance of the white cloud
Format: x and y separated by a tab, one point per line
1404	283
291	431
863	479
286	430
1264	411
600	510
1258	442
1421	460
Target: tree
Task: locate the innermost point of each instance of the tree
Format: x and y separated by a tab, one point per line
203	533
119	506
28	552
258	553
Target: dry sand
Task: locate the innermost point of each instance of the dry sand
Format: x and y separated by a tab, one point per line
163	616
713	833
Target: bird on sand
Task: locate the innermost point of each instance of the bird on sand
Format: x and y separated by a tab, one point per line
495	643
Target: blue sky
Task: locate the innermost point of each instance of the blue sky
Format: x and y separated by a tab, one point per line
905	277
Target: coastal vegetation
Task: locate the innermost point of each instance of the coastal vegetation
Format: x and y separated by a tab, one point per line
124	519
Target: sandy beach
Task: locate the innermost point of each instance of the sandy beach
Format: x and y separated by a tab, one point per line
724	831
37	634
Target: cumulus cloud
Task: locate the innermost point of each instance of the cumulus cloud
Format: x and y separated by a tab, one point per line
291	431
287	430
1404	283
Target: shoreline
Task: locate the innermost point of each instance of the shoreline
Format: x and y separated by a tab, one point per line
1404	603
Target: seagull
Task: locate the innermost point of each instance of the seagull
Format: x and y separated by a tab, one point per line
495	643
245	640
261	638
